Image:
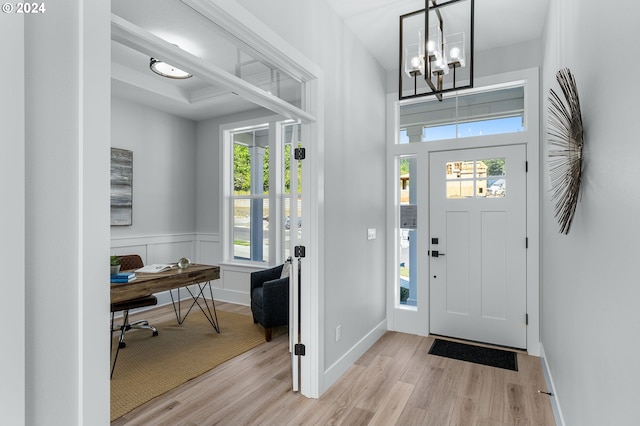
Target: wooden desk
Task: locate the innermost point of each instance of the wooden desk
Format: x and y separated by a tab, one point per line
174	279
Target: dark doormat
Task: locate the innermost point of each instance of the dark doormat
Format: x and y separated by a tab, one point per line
480	355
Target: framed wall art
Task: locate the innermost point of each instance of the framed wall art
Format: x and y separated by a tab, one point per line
121	187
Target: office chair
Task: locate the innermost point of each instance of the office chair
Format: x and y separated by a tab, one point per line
270	299
129	262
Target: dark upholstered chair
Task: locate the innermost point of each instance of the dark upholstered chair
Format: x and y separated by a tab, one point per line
270	299
129	262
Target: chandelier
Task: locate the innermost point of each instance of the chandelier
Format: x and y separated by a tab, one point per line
436	49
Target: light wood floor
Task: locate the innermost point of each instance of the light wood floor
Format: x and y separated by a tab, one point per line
395	383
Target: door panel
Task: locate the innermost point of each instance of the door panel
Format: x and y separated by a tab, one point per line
478	215
457	293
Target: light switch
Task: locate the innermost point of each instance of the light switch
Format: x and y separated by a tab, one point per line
371	233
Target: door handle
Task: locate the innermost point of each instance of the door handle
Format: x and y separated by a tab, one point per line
436	253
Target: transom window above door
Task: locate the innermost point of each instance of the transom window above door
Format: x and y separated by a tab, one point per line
476	114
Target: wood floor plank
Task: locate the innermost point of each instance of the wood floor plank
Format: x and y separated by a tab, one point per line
395	382
392	405
427	385
492	399
418	362
377	383
465	412
517	412
413	416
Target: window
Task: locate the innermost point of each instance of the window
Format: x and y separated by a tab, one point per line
261	195
476	179
407	237
477	114
250	199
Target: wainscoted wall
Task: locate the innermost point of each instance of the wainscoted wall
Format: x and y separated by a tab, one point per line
157	249
235	281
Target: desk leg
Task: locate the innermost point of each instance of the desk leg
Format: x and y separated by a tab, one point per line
199	299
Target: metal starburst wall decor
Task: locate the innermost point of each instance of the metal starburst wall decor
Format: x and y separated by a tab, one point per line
565	149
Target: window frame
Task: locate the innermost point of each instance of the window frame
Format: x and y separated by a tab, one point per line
275	197
458	121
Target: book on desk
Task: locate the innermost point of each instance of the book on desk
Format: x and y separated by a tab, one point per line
123	277
156	267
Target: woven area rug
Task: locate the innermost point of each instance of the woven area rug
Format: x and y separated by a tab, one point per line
150	366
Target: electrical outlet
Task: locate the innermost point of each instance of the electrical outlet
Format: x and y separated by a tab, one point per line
371	233
338	333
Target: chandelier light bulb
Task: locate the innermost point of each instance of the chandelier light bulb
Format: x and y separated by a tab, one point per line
415	62
431	46
455	53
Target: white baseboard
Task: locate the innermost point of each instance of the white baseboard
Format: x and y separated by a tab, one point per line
555	402
335	371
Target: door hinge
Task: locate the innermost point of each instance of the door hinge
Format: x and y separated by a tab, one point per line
526	319
526	242
299	251
526	167
299	349
299	153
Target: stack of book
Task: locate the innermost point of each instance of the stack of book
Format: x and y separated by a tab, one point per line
123	277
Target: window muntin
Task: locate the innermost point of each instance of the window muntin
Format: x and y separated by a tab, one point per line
476	178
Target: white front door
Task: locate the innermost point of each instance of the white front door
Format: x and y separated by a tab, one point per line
478	244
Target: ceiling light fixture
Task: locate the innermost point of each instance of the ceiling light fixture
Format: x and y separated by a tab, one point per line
166	70
445	60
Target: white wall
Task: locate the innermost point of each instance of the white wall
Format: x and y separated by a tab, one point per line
590	288
164	171
353	289
67	91
503	59
12	248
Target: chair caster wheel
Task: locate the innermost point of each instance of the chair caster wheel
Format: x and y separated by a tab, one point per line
155	333
122	345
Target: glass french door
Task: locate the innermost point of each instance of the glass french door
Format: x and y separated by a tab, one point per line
292	229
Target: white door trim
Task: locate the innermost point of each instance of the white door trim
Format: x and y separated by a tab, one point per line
416	321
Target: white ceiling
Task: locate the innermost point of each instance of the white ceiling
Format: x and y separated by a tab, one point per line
498	23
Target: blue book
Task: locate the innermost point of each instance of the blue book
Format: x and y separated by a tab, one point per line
123	275
122	280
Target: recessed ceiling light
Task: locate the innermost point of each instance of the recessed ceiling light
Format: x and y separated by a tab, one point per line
166	70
